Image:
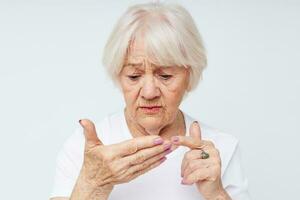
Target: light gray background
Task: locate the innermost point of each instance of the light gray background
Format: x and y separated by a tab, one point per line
51	76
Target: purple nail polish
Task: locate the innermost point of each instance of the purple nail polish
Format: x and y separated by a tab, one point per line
158	141
168	151
175	139
184	182
162	159
167	146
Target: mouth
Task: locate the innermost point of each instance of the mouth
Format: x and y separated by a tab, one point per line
151	109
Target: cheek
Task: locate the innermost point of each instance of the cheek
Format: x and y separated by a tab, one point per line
172	99
130	92
174	91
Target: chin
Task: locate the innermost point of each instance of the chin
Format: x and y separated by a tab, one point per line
151	123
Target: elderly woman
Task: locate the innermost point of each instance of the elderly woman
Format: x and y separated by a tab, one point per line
151	149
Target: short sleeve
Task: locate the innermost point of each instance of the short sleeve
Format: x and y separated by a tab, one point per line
68	165
234	180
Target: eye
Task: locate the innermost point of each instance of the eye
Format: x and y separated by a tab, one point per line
165	76
133	77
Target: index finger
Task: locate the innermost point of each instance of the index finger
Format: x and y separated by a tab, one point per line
193	140
131	146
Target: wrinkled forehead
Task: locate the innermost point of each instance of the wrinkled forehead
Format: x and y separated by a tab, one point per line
136	50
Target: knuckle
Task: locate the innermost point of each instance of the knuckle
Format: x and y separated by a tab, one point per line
132	147
190	166
132	162
115	171
144	165
140	157
106	157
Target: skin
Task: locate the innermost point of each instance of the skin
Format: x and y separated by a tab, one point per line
107	165
146	84
204	173
154	134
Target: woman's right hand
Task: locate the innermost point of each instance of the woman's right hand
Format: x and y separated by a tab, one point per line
107	165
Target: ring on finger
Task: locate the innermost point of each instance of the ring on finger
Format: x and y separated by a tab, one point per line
203	154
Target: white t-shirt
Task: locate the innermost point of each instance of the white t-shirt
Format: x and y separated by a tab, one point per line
163	182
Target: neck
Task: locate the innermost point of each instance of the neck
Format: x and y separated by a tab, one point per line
177	127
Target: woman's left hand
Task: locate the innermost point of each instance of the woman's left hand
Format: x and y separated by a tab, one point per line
197	168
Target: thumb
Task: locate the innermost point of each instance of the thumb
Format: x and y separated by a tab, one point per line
193	140
90	134
195	131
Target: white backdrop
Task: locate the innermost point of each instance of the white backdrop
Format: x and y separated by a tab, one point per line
51	76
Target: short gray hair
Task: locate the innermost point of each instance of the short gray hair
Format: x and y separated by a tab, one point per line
169	34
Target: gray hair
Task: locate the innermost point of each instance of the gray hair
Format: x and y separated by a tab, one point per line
170	36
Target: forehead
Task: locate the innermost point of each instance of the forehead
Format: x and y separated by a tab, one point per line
136	47
137	54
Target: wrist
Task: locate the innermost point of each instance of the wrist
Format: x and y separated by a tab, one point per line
220	195
86	189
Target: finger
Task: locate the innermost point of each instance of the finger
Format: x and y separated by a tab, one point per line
132	173
195	131
143	171
90	134
141	166
125	166
195	165
192	141
131	146
195	154
197	175
189	156
144	154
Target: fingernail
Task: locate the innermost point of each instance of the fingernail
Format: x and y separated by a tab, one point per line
79	121
168	151
175	139
183	182
196	122
158	141
167	146
162	159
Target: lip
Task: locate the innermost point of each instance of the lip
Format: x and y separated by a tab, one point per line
151	109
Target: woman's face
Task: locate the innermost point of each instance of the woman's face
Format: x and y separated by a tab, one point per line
152	93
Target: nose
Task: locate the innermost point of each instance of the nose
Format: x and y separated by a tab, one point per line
149	88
